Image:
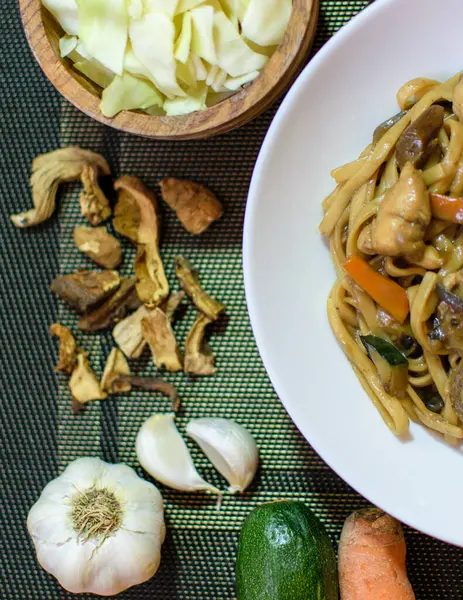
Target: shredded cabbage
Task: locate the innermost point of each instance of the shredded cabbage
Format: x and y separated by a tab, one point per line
103	28
152	41
95	71
196	100
233	54
265	21
202	42
169	56
183	43
67	44
66	13
235	83
128	93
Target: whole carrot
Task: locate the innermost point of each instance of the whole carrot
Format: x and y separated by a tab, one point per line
372	558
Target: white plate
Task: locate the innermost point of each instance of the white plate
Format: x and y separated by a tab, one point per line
326	120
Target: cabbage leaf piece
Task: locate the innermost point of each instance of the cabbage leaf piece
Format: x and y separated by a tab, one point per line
67	44
265	21
196	100
128	93
184	5
66	13
233	54
202	41
95	71
152	39
103	28
168	7
183	43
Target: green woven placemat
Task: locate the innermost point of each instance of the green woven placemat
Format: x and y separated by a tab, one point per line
43	436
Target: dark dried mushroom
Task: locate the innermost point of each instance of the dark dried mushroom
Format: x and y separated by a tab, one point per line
196	206
386	125
128	333
114	309
138	217
189	280
116	365
158	332
48	171
99	245
152	384
454	301
84	384
85	289
172	304
93	202
199	359
67	348
416	142
448	326
431	398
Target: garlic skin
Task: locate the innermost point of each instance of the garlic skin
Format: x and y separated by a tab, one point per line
98	528
230	448
165	456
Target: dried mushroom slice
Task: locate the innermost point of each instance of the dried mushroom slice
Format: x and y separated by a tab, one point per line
93	202
199	359
152	384
128	334
196	206
142	224
84	384
67	348
172	304
48	171
84	289
116	365
157	331
114	309
189	280
99	245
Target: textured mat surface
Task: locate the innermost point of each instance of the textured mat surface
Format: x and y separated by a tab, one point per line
39	436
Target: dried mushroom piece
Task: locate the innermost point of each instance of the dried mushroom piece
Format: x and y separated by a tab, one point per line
84	289
138	216
114	309
128	334
152	384
116	365
199	359
84	384
99	245
157	331
172	304
196	206
93	202
67	348
189	280
48	171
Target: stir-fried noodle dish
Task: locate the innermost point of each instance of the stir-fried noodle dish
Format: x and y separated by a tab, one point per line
395	225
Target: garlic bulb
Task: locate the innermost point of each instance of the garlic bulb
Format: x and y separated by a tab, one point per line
98	528
230	448
164	455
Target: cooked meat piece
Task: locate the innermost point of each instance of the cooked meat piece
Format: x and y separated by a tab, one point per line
402	218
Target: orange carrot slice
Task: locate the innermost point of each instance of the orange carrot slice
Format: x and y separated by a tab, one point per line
387	293
447	208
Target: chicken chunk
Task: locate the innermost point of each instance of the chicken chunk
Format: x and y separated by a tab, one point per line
402	219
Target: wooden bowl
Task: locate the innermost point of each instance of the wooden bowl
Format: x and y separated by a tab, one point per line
43	35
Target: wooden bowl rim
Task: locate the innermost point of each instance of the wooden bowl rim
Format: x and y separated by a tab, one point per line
240	108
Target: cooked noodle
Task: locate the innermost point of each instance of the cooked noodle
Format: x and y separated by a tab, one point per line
351	214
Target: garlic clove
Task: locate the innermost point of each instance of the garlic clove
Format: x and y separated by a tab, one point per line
230	448
165	456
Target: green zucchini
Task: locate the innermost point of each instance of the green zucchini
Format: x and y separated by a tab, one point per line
284	553
391	364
